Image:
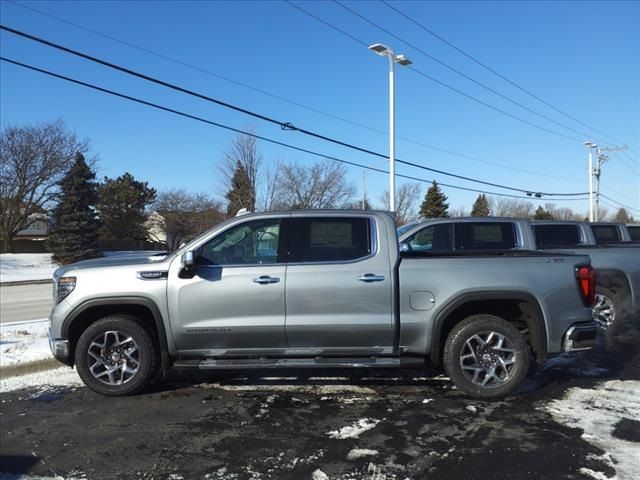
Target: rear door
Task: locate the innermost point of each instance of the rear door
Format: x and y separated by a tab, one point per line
338	288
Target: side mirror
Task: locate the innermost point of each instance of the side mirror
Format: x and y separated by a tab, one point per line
404	247
188	260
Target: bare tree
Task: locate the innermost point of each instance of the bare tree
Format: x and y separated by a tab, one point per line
181	215
33	160
511	207
566	213
271	182
458	212
243	149
407	198
321	185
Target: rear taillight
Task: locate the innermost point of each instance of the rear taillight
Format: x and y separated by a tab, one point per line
586	277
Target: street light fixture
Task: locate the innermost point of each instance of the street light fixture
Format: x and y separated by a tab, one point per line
385	51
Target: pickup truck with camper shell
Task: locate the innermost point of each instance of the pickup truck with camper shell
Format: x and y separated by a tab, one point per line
319	289
617	264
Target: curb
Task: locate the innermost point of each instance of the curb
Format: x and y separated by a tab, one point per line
26	368
25	282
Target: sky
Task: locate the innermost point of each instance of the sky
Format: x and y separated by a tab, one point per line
582	58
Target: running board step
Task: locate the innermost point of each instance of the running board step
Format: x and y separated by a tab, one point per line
316	362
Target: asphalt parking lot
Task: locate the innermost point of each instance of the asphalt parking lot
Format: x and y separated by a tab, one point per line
347	424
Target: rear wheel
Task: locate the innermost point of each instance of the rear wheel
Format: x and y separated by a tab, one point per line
116	356
607	308
486	356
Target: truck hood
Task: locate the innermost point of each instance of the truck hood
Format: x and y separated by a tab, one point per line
115	261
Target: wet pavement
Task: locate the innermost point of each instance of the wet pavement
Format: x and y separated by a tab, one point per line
335	424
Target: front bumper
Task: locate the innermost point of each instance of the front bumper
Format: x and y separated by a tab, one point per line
580	336
59	348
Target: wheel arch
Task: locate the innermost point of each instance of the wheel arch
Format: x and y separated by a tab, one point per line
618	282
513	306
92	310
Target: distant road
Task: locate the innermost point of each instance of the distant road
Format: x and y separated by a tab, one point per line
25	302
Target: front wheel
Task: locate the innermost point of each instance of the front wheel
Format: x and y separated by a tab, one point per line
116	356
486	356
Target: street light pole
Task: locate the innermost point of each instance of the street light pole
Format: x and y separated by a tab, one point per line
385	51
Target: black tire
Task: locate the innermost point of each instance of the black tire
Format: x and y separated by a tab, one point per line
116	356
509	367
608	310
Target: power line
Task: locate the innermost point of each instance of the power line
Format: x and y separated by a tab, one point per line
619	203
455	70
283	125
503	77
283	99
251	134
444	84
624	162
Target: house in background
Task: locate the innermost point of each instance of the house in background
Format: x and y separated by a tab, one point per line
33	238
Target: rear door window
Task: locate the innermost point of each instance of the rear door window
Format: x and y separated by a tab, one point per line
556	235
634	231
606	233
486	236
329	239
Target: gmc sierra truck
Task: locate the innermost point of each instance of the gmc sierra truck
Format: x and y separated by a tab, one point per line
318	289
617	264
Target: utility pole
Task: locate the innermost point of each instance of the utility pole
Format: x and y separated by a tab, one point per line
590	146
600	160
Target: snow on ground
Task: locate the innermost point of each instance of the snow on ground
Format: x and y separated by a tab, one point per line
22	342
18	267
42	382
598	411
355	430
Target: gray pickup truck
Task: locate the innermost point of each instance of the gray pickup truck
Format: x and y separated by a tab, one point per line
617	263
318	289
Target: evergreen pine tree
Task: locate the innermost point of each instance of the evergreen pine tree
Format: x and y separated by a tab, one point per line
241	194
542	214
622	216
480	206
435	203
121	204
74	233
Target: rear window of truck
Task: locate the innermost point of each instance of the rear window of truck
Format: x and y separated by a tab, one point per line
486	236
331	239
556	235
606	233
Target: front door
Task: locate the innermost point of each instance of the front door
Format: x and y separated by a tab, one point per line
233	300
338	287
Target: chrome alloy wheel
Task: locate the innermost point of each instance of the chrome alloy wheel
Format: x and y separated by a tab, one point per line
603	310
488	359
114	358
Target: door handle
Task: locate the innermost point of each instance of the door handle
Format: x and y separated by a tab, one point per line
265	280
371	277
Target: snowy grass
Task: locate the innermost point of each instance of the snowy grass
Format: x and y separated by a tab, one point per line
19	267
24	342
597	411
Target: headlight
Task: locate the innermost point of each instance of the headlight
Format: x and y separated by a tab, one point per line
65	287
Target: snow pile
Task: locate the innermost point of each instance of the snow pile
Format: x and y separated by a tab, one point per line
356	453
355	430
598	411
43	381
18	267
22	342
